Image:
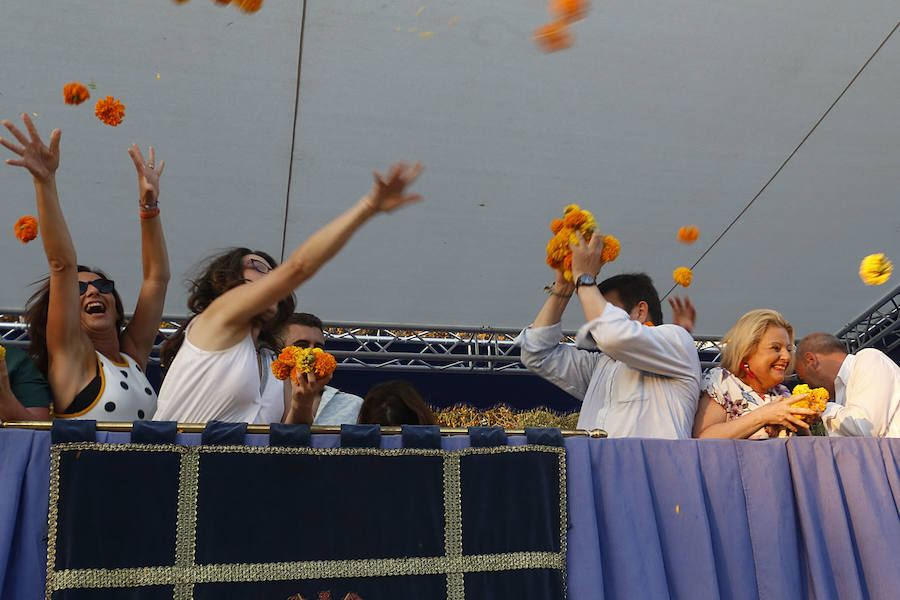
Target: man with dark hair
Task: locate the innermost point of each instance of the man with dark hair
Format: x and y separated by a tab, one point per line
645	381
864	387
331	406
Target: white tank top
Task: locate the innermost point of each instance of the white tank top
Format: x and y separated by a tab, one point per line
125	394
224	385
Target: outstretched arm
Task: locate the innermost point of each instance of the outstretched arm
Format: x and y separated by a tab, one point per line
71	351
227	319
137	340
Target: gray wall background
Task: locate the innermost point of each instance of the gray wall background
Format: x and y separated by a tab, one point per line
661	115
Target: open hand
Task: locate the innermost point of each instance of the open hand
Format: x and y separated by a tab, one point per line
40	160
683	313
387	193
148	173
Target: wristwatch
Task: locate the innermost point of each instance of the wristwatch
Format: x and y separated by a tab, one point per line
585	279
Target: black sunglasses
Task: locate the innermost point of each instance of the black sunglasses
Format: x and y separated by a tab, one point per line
104	286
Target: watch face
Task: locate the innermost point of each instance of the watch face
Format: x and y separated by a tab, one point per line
585	279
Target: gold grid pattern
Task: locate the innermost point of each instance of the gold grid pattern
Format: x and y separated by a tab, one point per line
185	572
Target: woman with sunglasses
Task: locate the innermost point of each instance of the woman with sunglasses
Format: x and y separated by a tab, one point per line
75	320
221	365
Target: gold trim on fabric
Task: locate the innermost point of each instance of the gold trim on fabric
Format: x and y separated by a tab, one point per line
184	574
303	570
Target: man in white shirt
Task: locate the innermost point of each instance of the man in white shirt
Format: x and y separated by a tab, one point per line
334	406
864	387
646	381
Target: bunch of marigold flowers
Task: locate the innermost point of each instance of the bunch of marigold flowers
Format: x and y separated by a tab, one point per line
816	399
294	361
565	233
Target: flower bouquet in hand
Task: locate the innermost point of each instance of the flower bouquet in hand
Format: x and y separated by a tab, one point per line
294	361
814	399
565	233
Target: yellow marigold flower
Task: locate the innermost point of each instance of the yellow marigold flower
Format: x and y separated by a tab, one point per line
75	93
611	247
689	234
570	208
568	275
2	353
281	370
110	110
682	276
816	398
875	269
325	363
26	228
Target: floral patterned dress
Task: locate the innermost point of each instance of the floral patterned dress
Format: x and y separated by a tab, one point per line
737	398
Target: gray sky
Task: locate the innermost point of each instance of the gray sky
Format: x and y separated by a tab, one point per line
660	116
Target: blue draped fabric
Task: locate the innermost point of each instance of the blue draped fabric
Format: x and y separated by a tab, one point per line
798	518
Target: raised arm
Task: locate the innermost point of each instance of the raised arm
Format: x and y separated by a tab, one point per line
137	340
71	351
228	318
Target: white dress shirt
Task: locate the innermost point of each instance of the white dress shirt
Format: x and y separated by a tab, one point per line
866	397
337	407
645	383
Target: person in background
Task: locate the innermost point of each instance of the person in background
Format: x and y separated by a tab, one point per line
864	387
94	363
745	396
331	406
220	368
395	402
24	391
645	380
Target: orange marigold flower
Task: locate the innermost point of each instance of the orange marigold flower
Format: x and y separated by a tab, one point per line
689	234
567	262
682	276
325	362
575	219
649	323
556	225
110	110
281	370
568	10
611	247
552	36
75	93
26	229
249	6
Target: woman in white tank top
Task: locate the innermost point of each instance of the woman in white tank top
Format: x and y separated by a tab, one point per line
77	314
220	368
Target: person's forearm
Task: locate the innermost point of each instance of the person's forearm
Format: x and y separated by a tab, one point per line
552	311
327	241
849	421
300	413
154	254
55	235
12	410
740	428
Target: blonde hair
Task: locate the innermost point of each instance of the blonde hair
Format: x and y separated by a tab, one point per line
742	339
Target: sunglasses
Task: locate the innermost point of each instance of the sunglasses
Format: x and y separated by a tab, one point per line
257	265
104	286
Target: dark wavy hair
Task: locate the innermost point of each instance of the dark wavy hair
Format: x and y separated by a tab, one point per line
632	288
216	276
395	402
36	316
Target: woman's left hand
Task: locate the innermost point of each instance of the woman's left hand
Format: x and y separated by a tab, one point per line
148	173
388	191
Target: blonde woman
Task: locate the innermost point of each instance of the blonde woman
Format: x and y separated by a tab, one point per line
745	397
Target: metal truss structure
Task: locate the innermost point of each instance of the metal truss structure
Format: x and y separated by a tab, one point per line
878	327
403	347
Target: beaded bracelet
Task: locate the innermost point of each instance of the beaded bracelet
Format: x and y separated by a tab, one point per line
551	289
149	210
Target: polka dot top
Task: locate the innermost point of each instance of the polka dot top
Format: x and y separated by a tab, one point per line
124	393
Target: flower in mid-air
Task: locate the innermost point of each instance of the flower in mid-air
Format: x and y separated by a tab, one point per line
689	234
110	110
75	93
875	269
26	229
682	276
